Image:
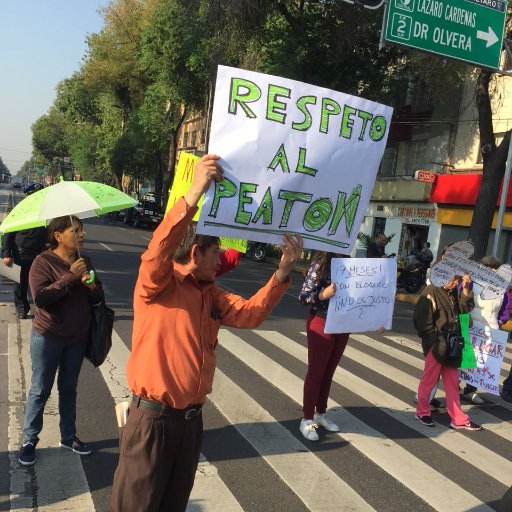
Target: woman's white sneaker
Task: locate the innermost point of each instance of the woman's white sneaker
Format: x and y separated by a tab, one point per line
324	421
308	429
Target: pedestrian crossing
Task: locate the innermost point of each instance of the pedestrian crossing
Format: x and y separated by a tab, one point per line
382	460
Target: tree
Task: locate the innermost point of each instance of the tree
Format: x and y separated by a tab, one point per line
183	43
50	135
3	167
494	160
76	101
114	72
112	63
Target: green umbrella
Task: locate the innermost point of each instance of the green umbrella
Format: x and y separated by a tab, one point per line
82	199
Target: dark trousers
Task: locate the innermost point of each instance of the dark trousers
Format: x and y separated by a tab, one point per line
158	458
21	289
324	354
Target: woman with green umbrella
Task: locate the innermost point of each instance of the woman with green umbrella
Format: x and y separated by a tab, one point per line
64	289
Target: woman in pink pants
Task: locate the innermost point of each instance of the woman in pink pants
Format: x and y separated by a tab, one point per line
436	314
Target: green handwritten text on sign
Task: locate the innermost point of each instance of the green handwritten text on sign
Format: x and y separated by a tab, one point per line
297	158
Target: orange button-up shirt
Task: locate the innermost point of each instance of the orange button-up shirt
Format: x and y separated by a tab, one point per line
174	330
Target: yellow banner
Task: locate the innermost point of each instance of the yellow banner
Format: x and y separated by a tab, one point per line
234	243
182	181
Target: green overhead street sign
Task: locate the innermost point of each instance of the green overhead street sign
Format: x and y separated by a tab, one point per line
468	30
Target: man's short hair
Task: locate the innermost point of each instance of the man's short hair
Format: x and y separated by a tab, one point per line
190	238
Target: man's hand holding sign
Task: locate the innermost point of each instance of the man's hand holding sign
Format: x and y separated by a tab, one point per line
208	169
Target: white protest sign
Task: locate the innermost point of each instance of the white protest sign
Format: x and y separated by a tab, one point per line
456	262
12	272
489	346
365	295
296	158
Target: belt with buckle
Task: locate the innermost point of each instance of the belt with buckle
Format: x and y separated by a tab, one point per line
187	414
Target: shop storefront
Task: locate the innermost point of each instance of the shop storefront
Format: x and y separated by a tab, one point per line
456	196
409	224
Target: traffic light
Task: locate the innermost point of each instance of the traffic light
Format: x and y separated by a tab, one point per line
369	4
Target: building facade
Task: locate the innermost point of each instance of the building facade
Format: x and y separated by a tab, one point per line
439	135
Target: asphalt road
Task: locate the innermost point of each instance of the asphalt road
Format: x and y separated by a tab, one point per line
251	437
115	251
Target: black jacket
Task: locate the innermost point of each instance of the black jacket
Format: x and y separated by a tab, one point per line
375	250
27	243
435	315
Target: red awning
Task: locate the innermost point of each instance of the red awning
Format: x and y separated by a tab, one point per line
460	189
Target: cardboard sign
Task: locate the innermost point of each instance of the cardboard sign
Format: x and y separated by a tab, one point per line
365	295
456	262
296	158
182	181
489	346
12	272
234	243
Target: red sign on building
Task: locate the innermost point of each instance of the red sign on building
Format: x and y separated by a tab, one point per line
426	176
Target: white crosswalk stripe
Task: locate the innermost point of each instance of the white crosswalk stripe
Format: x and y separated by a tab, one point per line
315	484
472	451
293	461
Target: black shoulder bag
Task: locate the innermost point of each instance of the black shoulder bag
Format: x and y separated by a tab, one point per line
454	338
100	333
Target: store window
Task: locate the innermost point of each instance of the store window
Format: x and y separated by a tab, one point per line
415	156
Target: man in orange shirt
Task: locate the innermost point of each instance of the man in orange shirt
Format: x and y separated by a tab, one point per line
178	310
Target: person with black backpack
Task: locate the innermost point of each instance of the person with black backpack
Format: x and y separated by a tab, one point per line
436	319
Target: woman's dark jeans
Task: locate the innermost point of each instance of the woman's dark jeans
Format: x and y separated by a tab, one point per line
47	356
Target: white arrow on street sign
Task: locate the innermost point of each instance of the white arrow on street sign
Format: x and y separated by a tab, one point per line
490	36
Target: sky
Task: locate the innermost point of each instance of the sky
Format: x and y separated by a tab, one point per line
41	43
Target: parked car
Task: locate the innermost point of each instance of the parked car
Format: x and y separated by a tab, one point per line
145	213
32	187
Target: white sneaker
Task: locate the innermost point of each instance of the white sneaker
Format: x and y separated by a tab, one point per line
477	399
308	429
325	422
